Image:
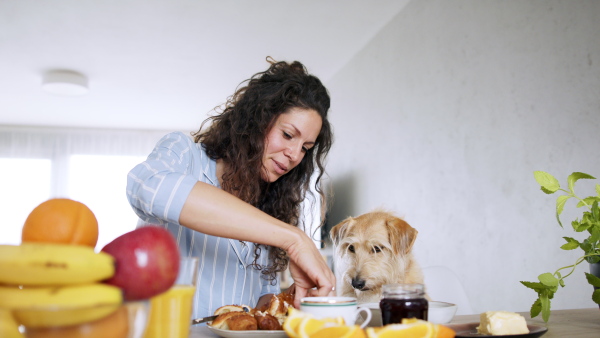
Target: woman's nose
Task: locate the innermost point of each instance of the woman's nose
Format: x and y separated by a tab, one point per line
293	152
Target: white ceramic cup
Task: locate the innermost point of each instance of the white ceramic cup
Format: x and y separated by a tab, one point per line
332	307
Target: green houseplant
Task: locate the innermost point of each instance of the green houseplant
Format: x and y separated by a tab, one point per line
590	221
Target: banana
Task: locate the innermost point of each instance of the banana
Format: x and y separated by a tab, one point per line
60	306
44	264
8	326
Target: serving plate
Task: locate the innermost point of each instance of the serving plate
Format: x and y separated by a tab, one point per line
254	333
470	330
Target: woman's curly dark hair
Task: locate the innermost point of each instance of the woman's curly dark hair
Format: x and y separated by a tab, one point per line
237	136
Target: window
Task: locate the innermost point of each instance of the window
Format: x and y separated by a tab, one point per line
99	182
89	166
25	184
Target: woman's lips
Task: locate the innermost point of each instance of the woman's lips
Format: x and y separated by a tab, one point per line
280	168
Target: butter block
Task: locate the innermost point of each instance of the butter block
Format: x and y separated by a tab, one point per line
499	323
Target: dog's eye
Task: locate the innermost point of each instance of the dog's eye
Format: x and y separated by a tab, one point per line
351	248
376	248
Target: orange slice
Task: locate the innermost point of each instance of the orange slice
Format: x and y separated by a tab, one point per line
341	331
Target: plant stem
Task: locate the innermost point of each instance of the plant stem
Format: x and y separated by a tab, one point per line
573	266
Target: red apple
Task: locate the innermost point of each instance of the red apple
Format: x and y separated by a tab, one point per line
147	262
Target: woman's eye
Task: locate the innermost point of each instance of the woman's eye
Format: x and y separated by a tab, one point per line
304	149
376	248
351	248
286	135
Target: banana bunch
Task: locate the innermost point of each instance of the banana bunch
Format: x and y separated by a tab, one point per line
60	305
8	326
53	264
48	285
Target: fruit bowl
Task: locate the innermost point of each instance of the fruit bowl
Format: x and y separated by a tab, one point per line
125	321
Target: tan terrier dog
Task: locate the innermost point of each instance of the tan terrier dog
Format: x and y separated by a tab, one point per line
374	249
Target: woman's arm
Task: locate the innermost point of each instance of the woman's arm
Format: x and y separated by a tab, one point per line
213	211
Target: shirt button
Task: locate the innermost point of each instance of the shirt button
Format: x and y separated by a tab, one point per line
241	266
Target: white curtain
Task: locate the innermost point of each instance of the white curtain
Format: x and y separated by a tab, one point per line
89	165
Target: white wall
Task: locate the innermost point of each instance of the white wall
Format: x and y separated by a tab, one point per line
444	116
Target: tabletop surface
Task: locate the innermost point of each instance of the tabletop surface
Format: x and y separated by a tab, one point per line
576	323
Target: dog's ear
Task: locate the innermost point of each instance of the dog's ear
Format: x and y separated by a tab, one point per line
339	231
402	235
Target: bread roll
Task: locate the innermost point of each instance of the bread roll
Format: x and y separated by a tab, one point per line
236	321
278	306
241	317
231	308
266	321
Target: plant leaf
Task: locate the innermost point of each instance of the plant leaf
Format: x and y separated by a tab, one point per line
536	308
536	286
545	302
595	235
579	226
571	244
548	279
574	177
598	189
593	280
587	201
560	204
593	259
548	183
596	296
595	211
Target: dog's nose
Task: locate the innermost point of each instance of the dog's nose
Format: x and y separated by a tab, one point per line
358	283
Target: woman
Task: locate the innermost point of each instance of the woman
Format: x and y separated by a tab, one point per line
232	194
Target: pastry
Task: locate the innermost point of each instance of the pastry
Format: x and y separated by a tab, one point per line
241	317
236	321
266	321
278	306
232	308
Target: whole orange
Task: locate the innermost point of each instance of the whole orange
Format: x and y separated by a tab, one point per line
61	220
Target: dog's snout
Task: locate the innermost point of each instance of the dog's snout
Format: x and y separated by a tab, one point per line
358	283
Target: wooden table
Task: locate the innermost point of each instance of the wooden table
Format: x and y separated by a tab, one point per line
579	323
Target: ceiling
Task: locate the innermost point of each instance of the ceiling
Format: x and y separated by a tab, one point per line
164	64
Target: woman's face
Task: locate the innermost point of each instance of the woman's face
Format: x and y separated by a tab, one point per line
292	134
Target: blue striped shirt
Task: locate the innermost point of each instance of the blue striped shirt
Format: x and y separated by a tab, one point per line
157	189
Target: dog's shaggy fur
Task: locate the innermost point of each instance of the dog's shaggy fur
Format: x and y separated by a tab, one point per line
374	249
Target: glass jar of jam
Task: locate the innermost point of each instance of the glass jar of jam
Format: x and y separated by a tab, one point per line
403	301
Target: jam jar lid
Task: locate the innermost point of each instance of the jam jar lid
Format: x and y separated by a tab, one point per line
403	291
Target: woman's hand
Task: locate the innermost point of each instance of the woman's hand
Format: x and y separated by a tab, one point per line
309	270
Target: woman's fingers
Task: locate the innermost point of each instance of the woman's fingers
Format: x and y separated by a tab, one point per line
310	272
291	290
325	291
300	293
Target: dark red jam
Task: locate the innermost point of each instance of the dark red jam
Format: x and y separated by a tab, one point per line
394	309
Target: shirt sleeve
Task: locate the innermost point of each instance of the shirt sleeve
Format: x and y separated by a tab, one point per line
158	187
